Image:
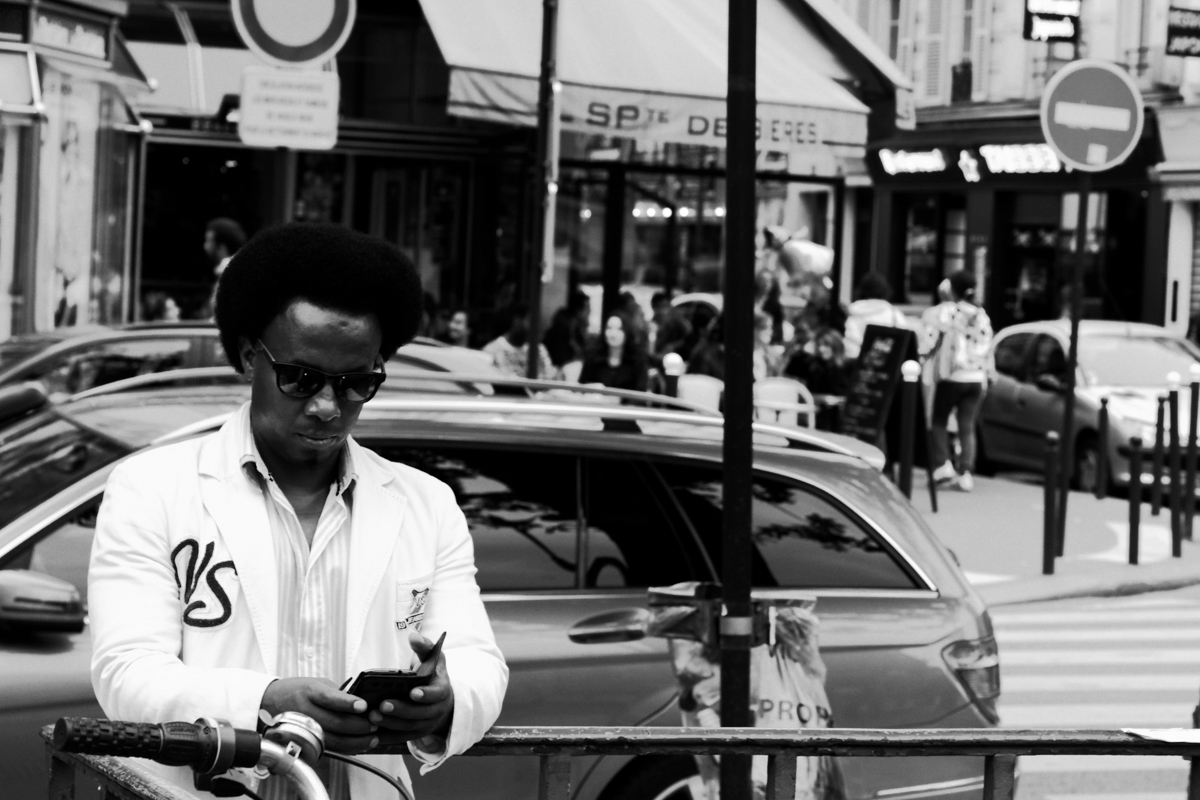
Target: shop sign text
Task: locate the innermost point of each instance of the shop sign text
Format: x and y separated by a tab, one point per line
1183	32
1008	159
1052	20
899	162
629	117
288	108
65	33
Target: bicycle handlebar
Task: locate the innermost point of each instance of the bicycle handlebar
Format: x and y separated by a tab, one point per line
199	745
209	747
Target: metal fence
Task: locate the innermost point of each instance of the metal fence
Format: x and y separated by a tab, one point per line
556	746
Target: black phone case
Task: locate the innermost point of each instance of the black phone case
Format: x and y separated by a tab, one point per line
377	685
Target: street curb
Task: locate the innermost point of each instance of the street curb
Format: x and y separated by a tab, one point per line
1119	579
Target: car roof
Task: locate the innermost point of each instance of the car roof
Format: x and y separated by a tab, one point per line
1088	327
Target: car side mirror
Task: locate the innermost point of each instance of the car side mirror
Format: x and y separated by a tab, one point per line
623	625
31	602
1049	382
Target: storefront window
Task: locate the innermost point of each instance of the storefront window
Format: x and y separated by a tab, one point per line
320	195
116	156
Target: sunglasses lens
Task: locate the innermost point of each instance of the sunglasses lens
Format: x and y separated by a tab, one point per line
359	388
297	381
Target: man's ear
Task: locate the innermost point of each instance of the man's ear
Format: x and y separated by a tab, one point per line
246	352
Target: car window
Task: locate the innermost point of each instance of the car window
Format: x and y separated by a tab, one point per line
520	507
1135	360
1010	354
1048	358
801	540
62	550
631	540
80	370
46	458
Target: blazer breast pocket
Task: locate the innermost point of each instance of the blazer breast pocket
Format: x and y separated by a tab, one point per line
209	587
412	597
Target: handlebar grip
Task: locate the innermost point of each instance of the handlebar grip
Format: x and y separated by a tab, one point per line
173	743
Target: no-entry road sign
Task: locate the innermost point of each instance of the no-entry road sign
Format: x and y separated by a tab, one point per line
1092	115
294	33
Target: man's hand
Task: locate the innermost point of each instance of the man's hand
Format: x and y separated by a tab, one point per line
342	716
428	709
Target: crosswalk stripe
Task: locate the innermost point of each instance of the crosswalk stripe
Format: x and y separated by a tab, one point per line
1088	764
1118	682
1101	618
1110	715
1093	657
1099	635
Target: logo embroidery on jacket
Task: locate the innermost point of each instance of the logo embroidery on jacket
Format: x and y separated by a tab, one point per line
416	611
191	582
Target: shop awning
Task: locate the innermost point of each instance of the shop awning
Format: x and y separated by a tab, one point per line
188	79
646	69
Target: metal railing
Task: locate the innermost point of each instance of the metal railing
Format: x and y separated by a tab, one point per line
556	746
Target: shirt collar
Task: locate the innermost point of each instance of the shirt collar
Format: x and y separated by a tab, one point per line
255	469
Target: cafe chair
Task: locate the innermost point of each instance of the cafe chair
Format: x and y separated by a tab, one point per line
703	390
784	401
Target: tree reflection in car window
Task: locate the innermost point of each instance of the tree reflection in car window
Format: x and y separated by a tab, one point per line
114	361
801	540
520	508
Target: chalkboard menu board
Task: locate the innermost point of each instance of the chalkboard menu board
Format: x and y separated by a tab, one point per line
875	384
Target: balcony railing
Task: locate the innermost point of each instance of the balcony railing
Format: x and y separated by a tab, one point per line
557	746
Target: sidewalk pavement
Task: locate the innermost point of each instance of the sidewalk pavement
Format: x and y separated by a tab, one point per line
996	534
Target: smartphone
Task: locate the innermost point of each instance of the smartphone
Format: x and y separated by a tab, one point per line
377	685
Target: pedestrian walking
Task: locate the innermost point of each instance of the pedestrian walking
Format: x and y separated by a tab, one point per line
259	567
223	237
873	307
617	359
956	343
510	350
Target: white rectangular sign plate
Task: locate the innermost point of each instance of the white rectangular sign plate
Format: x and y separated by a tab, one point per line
291	108
1086	116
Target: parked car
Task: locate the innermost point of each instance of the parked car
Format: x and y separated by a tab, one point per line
72	360
1125	362
575	510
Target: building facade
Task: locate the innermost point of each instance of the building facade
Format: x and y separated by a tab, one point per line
974	185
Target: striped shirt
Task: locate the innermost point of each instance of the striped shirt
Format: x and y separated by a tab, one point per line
312	576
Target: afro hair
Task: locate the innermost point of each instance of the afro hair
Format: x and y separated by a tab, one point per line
329	266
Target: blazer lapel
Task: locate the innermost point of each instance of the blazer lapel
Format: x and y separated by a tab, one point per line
240	514
374	530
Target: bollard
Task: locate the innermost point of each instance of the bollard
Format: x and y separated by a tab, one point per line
673	367
1193	787
1135	496
1102	452
1173	474
1050	492
911	371
1156	474
1189	503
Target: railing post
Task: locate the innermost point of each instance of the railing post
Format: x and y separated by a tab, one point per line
1049	495
1102	452
999	777
1189	508
673	367
1159	447
62	778
911	371
1135	496
1175	476
554	777
781	776
1193	788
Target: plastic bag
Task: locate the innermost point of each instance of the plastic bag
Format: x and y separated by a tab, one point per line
787	690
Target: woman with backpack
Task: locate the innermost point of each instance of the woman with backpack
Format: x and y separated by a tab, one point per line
956	342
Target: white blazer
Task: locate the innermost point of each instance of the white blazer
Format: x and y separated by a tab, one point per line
166	507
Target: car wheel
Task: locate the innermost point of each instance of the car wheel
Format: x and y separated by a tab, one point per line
657	778
1087	464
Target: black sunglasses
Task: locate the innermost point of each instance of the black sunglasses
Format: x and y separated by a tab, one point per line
301	382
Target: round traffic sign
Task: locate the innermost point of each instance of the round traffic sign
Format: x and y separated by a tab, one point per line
294	33
1092	114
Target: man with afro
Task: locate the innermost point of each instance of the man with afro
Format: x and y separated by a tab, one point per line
255	570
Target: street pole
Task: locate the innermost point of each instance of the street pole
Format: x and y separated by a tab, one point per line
740	159
1067	439
547	177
